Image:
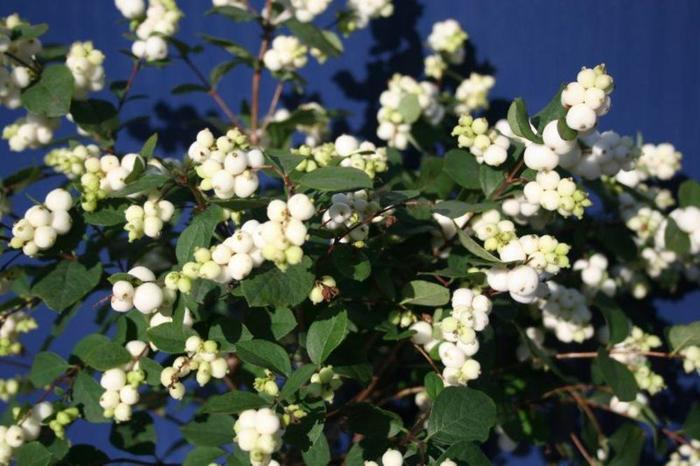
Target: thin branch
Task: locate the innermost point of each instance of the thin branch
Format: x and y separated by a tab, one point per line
129	83
273	104
257	74
579	446
593	354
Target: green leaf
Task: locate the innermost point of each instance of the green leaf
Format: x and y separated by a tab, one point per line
325	334
490	179
152	370
689	194
676	239
351	262
461	414
564	131
87	393
108	214
234	13
213	431
618	324
220	70
95	116
147	182
33	454
433	385
149	146
137	436
295	381
463	168
226	332
691	426
170	336
25	31
616	374
188	88
554	110
202	456
422	293
99	352
627	443
232	48
465	453
455	209
334	179
66	284
319	453
265	354
520	122
46	367
409	108
315	37
473	247
198	234
682	336
278	289
233	403
51	94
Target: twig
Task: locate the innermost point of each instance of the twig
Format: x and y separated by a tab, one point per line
211	90
401	394
579	446
257	74
273	104
593	354
427	357
129	83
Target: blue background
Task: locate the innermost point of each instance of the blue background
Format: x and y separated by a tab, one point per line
652	48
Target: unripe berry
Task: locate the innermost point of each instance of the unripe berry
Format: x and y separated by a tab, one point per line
14	436
177	391
122	412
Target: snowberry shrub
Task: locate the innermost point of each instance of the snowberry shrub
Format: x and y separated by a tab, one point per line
320	303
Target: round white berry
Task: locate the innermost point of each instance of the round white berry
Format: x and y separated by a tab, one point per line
122	412
495	155
240	266
346	145
423	332
38	216
540	157
58	199
523	280
113	379
45	237
142	273
392	458
123	290
129	395
581	117
61	222
300	207
109	399
148	297
267	421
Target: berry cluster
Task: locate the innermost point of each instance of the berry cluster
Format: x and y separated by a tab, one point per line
26	428
287	53
393	126
447	38
202	357
121	385
554	193
587	98
30	132
104	175
324	383
687	454
63	419
324	290
152	25
594	275
362	11
14	75
8	388
351	212
225	164
70	161
605	153
691	361
565	312
85	62
486	144
42	224
147	296
455	335
306	10
13	325
363	155
259	432
632	408
631	351
472	93
148	219
493	230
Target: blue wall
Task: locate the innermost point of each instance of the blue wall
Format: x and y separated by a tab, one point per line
652	48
